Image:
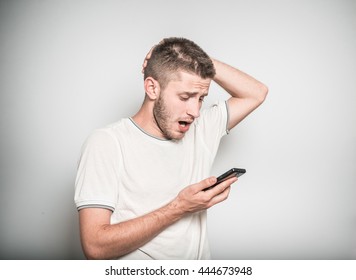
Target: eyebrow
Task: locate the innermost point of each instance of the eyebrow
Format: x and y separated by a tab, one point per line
192	93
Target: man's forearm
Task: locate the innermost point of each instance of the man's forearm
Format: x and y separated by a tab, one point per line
102	240
112	241
237	83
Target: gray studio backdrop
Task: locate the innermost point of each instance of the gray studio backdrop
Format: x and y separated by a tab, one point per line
68	67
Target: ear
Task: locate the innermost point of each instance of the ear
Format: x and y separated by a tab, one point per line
152	88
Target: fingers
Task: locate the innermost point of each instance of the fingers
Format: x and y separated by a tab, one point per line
144	64
206	183
148	56
193	198
216	194
221	187
220	192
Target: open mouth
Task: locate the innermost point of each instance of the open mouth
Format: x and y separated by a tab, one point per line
183	123
184	126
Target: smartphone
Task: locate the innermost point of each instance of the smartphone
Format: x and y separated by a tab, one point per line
233	172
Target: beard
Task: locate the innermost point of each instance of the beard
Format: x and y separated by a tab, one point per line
161	117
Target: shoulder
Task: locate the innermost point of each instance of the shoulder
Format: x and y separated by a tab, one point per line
109	132
107	137
217	108
216	115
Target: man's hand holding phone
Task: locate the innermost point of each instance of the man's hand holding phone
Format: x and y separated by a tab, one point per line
233	172
206	193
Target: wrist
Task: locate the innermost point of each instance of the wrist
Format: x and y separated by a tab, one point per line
174	210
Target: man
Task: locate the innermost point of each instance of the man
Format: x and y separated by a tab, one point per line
140	181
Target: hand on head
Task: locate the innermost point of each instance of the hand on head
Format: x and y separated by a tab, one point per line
148	56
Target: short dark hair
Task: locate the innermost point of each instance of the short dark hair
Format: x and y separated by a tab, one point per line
178	54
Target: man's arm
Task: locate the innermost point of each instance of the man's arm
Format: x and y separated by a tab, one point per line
246	92
102	240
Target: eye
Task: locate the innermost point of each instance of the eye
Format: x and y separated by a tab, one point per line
201	99
184	98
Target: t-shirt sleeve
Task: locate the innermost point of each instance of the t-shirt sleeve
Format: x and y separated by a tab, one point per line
96	184
213	125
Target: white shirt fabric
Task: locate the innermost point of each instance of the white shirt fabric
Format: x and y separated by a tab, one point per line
126	170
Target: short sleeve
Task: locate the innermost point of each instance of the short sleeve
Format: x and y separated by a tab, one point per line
96	182
213	125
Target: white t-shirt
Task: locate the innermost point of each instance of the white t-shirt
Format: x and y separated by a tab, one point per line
126	170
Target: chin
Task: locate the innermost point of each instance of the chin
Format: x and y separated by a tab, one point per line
173	134
176	136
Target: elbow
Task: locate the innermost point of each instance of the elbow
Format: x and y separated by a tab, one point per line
92	252
93	249
262	94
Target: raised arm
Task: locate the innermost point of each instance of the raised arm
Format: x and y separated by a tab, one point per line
246	92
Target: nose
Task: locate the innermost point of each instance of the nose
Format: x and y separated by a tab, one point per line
193	109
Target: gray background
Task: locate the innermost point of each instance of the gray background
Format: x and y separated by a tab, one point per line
68	67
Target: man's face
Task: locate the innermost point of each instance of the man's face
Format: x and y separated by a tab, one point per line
179	104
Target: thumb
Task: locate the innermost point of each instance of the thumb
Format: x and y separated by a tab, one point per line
206	183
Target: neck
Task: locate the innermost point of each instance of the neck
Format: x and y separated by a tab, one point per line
146	120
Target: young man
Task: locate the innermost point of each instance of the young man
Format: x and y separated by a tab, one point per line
140	181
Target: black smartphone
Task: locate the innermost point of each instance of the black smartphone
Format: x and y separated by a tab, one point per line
233	172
